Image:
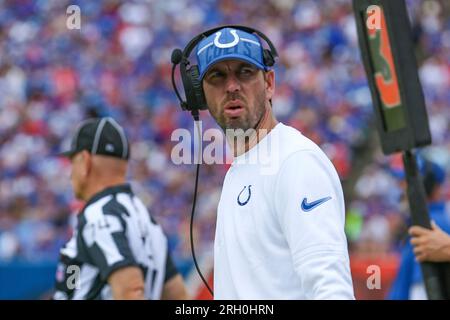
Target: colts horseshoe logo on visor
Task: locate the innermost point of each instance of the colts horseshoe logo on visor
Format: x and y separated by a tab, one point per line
229	44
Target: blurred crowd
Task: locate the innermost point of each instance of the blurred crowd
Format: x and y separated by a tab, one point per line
118	64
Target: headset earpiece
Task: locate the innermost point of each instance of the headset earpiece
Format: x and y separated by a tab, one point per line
195	98
198	95
268	58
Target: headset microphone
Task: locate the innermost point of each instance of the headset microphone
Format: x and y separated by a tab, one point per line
176	58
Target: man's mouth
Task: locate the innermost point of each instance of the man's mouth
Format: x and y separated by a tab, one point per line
233	108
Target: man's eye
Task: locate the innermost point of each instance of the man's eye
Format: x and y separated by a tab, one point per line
215	75
247	71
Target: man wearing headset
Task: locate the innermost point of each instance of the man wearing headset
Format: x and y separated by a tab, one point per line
280	220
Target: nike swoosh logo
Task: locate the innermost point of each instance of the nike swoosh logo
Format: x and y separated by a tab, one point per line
309	206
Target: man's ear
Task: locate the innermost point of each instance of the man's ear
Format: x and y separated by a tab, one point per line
86	159
270	84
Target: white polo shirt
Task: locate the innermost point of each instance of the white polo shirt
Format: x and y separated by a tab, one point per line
280	224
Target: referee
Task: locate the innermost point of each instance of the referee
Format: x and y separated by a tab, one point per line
117	250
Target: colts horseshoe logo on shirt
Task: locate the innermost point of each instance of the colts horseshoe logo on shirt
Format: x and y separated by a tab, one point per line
247	198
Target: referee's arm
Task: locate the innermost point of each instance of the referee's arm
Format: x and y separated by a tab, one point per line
127	284
108	249
174	287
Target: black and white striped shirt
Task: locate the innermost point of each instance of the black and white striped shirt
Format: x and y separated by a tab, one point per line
114	230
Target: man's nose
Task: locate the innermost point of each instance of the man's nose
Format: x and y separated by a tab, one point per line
232	84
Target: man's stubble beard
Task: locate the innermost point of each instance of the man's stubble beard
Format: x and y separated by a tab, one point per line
249	120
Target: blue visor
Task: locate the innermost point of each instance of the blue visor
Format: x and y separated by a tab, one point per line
229	43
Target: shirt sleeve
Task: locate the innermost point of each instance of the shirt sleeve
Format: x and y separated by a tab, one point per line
106	243
310	208
171	269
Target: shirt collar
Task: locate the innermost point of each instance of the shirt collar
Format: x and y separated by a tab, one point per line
121	188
